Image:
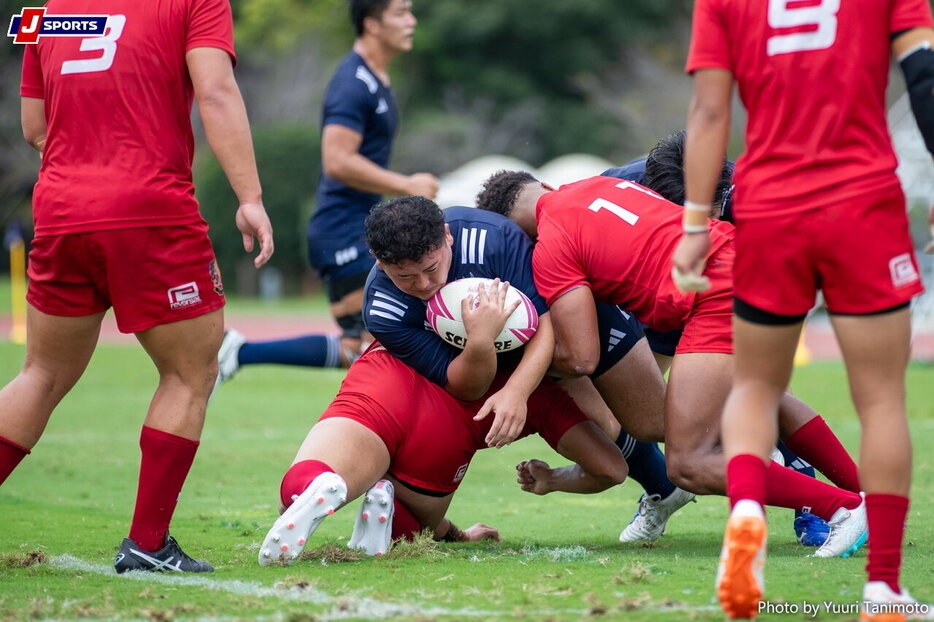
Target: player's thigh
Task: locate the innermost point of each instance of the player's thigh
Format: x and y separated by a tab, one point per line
186	349
634	390
58	348
698	385
589	400
351	448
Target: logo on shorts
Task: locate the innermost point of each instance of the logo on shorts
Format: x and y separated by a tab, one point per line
33	23
184	296
461	472
216	277
903	270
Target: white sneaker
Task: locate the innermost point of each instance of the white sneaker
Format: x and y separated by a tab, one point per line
228	363
373	529
653	513
740	578
881	604
849	530
289	534
777	456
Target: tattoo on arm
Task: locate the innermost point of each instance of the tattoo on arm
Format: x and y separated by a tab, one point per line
454	534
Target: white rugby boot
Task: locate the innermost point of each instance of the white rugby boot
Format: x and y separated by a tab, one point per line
652	516
372	530
849	530
289	534
881	604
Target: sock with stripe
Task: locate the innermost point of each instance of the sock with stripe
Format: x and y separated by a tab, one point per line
164	465
646	465
308	351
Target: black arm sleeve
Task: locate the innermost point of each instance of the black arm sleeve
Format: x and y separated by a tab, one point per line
918	68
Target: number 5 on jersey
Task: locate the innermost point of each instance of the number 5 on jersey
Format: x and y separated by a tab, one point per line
107	43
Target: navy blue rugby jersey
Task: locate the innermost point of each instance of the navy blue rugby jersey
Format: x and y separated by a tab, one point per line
356	99
634	170
486	245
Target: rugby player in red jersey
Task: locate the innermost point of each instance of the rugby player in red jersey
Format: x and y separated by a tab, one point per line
606	240
818	207
117	225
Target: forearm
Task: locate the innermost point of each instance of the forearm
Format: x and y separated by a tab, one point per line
575	479
228	133
708	130
536	359
472	372
446	531
358	172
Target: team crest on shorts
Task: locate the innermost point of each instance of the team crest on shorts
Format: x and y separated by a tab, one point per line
903	271
215	272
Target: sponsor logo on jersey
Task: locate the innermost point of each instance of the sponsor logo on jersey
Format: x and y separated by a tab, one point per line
500	346
183	296
461	472
33	22
903	271
215	273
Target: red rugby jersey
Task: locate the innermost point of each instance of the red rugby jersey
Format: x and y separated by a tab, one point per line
118	107
617	238
812	75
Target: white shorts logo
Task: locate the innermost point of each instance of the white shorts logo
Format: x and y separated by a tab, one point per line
903	271
184	296
461	472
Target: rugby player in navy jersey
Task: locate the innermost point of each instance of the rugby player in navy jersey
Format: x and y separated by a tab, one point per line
359	123
419	249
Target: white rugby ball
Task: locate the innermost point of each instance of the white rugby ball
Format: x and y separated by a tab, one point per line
444	314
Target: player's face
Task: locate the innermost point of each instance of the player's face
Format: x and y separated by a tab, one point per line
425	277
397	25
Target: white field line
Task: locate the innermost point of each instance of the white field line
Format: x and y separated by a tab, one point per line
342	608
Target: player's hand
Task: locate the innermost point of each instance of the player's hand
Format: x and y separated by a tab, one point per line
478	532
423	185
485	314
253	222
689	262
532	476
510	409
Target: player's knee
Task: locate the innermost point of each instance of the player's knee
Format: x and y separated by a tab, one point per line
681	473
613	473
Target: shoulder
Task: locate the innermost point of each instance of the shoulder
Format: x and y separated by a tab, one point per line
634	170
353	75
384	302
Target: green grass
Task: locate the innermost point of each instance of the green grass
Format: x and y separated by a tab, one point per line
72	499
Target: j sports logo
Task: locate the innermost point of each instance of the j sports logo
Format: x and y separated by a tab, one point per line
33	23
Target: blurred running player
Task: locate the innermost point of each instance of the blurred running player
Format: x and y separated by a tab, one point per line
358	126
117	225
819	207
407	443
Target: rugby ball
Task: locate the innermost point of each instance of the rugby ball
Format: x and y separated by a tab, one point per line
444	314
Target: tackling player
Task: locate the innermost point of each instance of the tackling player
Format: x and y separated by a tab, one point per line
388	421
605	240
117	225
358	126
419	249
820	207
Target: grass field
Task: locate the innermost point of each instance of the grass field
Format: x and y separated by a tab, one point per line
69	504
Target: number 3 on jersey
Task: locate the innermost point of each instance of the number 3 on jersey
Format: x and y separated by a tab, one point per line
789	14
107	43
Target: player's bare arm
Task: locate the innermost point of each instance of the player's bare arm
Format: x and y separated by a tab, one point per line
708	130
471	373
509	404
597	466
227	130
577	345
913	50
32	117
342	161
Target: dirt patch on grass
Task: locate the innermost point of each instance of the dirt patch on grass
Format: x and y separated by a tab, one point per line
23	560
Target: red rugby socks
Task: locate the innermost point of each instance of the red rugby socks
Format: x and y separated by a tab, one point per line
746	477
11	454
404	524
165	463
789	489
886	515
298	477
816	443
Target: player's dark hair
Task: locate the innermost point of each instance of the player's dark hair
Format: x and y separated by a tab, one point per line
664	171
501	189
362	9
404	229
